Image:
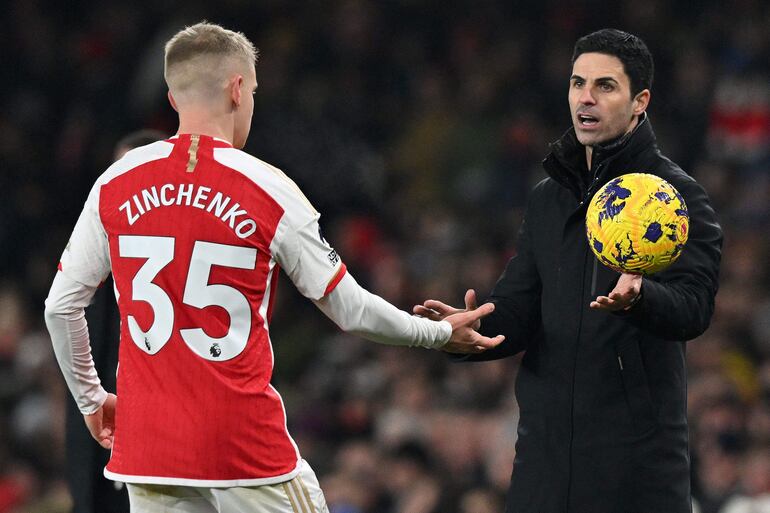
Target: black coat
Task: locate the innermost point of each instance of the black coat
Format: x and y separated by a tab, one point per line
603	425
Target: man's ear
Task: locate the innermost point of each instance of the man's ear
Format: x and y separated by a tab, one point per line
641	101
172	101
235	89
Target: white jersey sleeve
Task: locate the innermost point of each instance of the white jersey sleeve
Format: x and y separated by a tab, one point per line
358	311
309	261
86	257
66	321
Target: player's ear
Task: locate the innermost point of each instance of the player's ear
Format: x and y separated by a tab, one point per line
641	101
236	83
172	101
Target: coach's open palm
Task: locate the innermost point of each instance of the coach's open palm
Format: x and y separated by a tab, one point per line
623	296
101	423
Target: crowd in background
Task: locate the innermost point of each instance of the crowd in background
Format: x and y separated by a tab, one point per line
417	128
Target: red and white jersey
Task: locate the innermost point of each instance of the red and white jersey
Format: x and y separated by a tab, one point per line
195	232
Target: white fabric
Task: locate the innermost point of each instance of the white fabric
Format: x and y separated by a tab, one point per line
301	494
358	311
66	321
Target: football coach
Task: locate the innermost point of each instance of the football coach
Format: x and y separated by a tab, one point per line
602	384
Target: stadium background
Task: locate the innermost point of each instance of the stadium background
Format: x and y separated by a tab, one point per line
416	127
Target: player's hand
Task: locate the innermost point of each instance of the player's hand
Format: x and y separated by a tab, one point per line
438	311
101	423
623	296
465	339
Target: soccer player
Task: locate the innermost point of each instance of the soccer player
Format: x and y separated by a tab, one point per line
195	232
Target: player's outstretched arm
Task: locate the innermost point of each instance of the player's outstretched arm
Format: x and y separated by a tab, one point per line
357	311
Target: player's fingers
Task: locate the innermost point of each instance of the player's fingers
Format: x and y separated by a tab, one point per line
426	312
438	306
103	436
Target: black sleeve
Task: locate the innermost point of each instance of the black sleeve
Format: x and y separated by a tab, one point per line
677	304
517	302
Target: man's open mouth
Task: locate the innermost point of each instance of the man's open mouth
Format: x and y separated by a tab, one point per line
587	120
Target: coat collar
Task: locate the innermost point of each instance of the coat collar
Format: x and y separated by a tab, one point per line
566	162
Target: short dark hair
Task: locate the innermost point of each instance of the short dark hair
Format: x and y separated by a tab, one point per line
629	49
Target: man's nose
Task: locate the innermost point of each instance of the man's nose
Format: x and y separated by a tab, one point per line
586	98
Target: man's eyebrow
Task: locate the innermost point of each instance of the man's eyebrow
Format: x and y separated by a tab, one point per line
600	80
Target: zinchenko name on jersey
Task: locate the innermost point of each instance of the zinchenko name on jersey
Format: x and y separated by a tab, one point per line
151	198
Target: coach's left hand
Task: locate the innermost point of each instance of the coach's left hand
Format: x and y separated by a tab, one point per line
626	293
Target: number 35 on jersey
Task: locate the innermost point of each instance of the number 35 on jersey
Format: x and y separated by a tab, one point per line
158	253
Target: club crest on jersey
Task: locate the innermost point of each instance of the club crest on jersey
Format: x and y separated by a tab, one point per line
189	195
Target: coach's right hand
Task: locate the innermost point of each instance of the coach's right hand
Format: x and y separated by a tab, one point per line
465	339
438	311
101	423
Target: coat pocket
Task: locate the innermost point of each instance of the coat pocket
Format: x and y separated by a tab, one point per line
635	387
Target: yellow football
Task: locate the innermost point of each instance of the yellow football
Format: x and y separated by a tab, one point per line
637	223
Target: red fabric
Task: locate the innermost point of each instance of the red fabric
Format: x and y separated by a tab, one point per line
180	415
337	278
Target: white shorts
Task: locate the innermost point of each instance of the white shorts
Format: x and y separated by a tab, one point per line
300	495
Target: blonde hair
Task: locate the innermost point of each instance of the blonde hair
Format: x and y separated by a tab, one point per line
200	57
